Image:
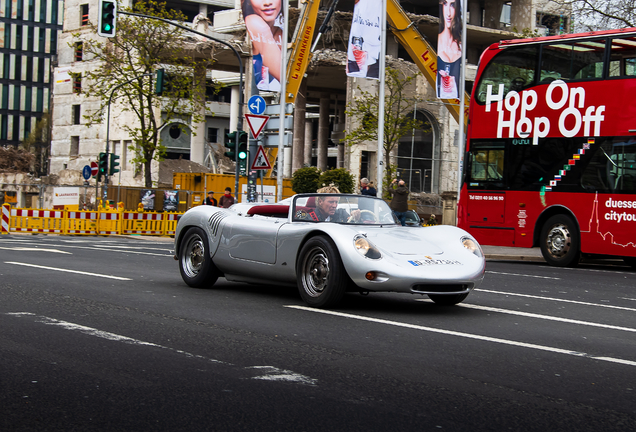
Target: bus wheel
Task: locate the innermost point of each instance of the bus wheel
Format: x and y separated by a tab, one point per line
560	241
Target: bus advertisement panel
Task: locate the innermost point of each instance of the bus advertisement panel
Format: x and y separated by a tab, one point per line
551	155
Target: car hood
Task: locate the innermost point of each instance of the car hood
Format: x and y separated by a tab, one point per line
403	241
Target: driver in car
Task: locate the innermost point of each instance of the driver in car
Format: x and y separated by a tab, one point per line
327	208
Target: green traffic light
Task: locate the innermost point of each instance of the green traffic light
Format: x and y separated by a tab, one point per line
242	155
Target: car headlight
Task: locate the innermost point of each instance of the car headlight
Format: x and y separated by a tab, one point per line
472	246
366	248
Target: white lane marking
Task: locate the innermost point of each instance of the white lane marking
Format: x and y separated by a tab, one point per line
271	373
68	271
32	249
109	248
545	317
627	298
525	275
556	299
274	374
466	335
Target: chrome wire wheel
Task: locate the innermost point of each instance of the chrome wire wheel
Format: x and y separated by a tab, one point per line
193	258
315	272
559	240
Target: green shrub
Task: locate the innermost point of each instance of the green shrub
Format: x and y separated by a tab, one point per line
339	177
306	180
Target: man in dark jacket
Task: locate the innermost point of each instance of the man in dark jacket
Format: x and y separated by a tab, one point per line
366	189
210	200
399	202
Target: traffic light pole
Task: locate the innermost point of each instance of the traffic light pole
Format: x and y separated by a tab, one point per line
110	98
239	124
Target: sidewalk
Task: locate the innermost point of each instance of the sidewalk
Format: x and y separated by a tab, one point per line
501	253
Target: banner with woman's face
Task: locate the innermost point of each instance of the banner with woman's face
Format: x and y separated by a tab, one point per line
363	53
264	23
449	49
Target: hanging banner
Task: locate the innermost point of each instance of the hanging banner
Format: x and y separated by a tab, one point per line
264	23
449	49
364	40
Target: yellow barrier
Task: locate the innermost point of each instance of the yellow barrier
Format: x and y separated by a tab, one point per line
100	222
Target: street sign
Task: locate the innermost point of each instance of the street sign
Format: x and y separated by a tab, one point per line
94	169
256	123
86	172
260	160
256	104
272	140
274	123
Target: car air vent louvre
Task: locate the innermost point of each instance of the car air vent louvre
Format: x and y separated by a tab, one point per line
215	220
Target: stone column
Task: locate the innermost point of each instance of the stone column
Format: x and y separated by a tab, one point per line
323	131
197	143
341	141
309	138
298	143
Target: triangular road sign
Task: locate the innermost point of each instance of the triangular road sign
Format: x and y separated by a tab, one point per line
256	123
260	160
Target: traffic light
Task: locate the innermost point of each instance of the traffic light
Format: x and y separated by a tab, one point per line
159	81
102	166
230	143
242	152
107	23
113	164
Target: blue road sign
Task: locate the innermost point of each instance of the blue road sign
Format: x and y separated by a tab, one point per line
86	172
256	104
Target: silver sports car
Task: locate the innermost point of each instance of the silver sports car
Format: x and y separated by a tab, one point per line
326	245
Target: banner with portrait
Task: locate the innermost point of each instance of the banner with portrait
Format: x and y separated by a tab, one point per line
170	200
363	53
449	49
264	23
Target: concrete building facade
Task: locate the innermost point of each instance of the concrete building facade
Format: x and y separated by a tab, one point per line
29	32
427	159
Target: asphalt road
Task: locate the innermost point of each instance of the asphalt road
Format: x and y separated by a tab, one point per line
101	334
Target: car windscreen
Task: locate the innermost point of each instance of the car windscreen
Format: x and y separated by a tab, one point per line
342	209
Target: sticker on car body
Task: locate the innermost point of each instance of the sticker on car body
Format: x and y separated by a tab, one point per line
430	261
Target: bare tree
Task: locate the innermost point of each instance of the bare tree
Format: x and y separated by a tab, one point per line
589	15
399	100
141	46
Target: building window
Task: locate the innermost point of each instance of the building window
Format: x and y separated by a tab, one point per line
74	151
213	135
416	161
77	83
84	15
79	51
76	114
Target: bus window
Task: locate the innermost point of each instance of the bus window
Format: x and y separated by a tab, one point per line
514	68
623	57
622	166
486	166
579	60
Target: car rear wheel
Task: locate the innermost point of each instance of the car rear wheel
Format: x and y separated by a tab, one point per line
195	263
448	300
560	241
322	279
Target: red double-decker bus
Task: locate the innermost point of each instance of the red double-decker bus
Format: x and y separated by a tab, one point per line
551	153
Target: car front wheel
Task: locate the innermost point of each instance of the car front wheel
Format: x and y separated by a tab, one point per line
195	263
322	279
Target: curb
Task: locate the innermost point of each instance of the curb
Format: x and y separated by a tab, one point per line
526	258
